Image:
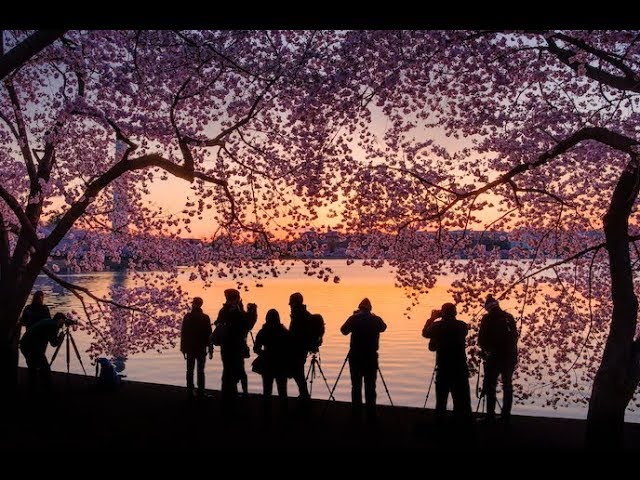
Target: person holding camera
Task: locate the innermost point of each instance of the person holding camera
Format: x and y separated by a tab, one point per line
498	339
272	348
365	329
33	346
447	339
236	324
194	344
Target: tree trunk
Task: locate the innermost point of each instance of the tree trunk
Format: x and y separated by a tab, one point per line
618	374
14	293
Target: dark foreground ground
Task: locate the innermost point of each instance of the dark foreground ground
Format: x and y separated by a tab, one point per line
144	416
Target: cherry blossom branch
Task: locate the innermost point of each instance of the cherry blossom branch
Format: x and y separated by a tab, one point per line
25	50
601	54
567	57
73	287
605	136
563	261
118	169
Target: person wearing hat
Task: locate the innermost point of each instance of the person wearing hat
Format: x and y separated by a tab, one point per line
194	344
447	339
365	329
498	340
237	323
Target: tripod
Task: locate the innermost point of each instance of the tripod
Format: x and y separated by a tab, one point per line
68	338
433	374
338	379
311	374
481	395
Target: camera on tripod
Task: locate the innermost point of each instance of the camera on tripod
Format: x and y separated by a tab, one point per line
70	322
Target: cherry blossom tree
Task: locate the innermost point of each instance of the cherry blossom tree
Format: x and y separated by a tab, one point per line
241	116
531	135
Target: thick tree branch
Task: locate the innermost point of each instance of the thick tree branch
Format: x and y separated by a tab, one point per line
4	247
601	54
26	225
21	53
118	169
23	139
566	56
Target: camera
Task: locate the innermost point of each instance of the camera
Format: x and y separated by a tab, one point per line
66	321
251	306
69	322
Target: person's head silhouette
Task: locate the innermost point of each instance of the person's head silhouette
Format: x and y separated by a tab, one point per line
232	296
296	300
365	305
448	311
197	303
38	298
60	319
272	318
490	303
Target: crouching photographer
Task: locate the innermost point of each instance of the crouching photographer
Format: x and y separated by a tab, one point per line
33	346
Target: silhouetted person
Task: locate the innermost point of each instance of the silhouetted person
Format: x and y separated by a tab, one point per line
194	343
447	339
35	311
365	328
498	339
298	329
237	323
272	347
34	344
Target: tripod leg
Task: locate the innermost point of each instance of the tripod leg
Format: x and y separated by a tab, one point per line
433	374
75	347
325	382
385	386
55	354
306	377
67	347
312	370
334	386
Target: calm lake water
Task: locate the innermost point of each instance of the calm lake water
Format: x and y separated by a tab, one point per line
405	361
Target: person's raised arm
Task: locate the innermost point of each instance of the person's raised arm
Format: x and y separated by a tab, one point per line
381	325
426	330
251	316
347	328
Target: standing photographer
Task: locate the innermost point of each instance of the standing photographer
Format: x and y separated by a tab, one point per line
365	329
236	324
194	344
498	339
447	339
34	344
